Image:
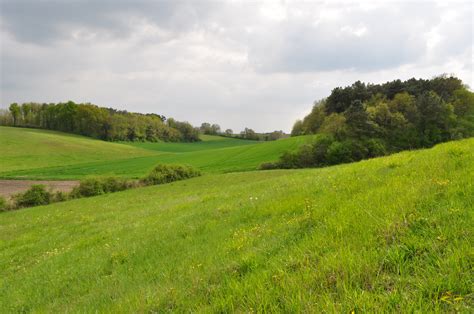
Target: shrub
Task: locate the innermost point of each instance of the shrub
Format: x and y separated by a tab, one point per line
88	187
36	195
288	160
375	147
320	148
97	186
114	184
169	173
339	152
3	204
59	196
358	149
326	150
268	166
305	157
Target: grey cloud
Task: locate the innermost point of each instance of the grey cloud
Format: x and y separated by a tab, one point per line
359	40
225	62
43	21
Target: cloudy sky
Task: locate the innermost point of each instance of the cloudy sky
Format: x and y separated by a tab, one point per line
257	64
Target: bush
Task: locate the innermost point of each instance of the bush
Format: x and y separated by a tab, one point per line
288	160
88	187
3	204
268	166
325	150
36	195
320	148
98	186
113	184
59	196
375	148
169	173
339	152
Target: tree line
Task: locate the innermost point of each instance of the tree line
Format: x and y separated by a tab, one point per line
98	122
368	120
246	134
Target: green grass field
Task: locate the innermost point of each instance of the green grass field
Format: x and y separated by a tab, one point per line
32	148
208	142
214	155
392	234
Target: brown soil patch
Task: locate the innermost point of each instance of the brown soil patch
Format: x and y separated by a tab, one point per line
10	187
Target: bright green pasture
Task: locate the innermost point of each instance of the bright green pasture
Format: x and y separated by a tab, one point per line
215	158
22	148
392	234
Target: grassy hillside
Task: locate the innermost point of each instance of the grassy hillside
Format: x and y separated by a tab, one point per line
389	234
32	148
214	154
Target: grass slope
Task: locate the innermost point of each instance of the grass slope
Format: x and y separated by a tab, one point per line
214	155
386	235
32	148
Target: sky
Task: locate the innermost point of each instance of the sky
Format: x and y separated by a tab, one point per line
256	64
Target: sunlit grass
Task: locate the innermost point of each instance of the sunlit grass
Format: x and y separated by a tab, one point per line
22	148
392	234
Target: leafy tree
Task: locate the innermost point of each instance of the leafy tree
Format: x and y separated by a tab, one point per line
249	134
275	135
338	153
335	124
150	134
312	122
406	105
205	128
463	106
297	128
358	122
16	113
463	102
391	125
6	117
437	118
215	129
445	86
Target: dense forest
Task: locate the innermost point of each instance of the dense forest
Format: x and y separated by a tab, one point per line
368	120
98	122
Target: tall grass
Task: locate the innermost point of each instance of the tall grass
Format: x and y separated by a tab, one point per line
390	234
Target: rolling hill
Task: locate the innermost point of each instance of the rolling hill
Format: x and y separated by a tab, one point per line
75	157
382	235
32	148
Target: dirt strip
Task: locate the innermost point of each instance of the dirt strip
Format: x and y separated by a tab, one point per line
11	187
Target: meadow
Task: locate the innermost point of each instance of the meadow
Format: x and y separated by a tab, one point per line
391	234
207	142
75	157
23	148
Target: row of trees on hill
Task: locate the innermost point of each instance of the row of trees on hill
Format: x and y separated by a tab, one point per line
98	122
367	120
246	134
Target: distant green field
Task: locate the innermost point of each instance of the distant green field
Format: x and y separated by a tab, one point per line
392	234
32	148
214	154
208	142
